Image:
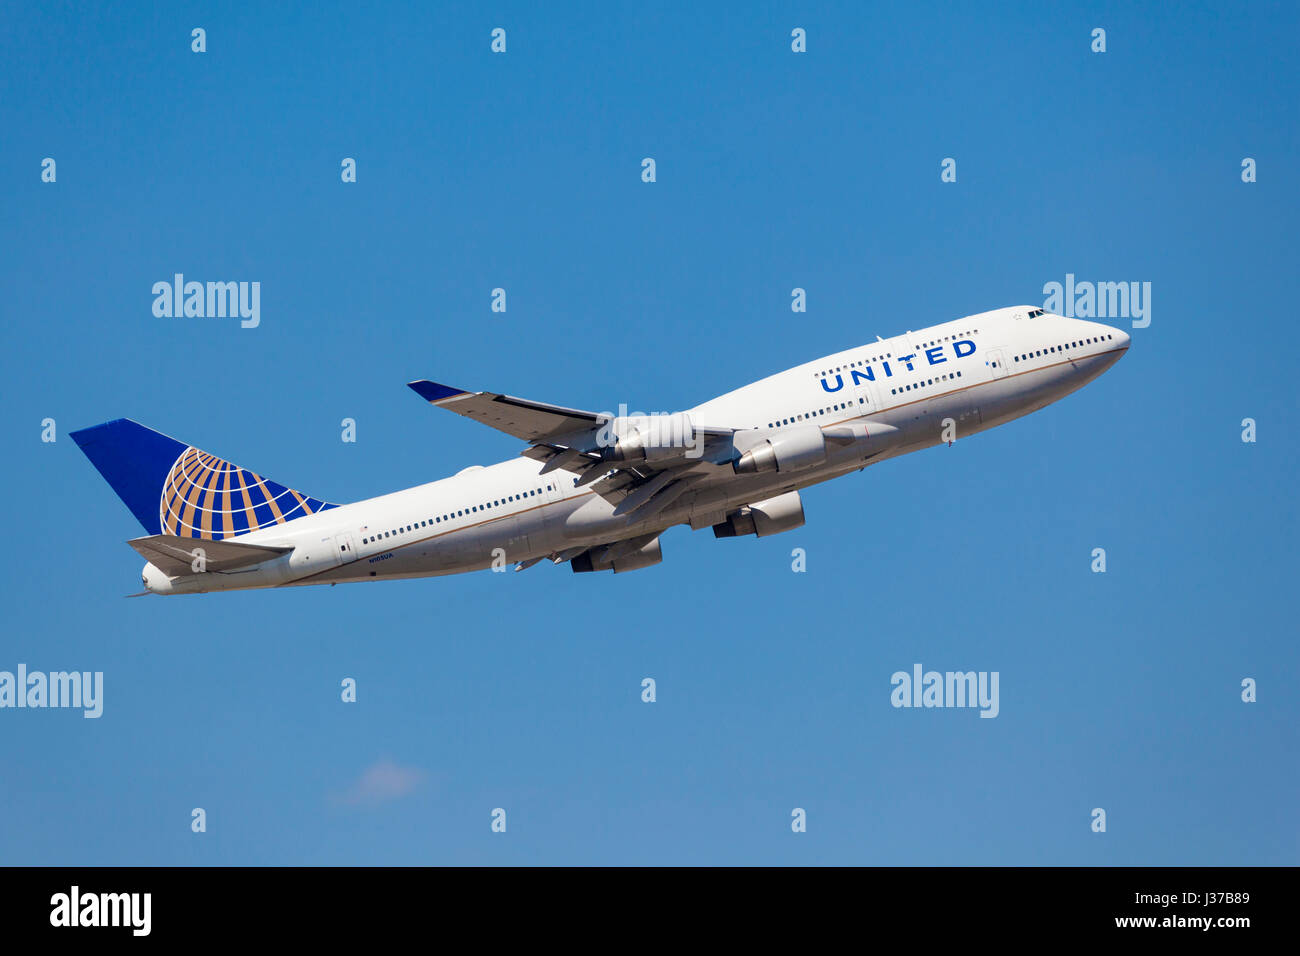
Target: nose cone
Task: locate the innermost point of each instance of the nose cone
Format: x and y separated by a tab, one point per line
1106	342
1114	343
1119	342
156	581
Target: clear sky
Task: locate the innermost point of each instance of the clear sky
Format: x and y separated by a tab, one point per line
775	170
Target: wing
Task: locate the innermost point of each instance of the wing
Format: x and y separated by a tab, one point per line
531	421
173	555
646	461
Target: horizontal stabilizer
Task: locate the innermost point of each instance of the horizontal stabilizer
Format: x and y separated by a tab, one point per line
176	556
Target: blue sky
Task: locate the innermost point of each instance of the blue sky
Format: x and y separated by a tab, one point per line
775	170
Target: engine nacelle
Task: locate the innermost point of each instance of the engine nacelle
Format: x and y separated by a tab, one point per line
762	518
643	557
800	447
649	437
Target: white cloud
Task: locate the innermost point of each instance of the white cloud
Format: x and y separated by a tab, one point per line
381	782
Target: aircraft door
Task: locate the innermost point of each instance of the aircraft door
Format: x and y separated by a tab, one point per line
514	540
346	547
547	532
863	393
997	364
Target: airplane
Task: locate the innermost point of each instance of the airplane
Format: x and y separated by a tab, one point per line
596	489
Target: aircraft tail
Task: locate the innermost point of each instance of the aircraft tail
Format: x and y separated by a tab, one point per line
176	489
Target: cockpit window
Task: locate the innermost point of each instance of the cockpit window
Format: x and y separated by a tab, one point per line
1035	313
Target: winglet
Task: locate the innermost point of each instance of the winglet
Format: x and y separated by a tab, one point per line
433	392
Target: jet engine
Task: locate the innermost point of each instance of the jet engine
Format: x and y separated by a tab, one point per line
762	518
597	559
800	447
651	437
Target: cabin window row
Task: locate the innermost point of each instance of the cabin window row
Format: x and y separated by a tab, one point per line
460	513
923	384
815	413
1056	349
947	338
889	355
854	364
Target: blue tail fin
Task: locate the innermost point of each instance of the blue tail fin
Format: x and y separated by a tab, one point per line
174	488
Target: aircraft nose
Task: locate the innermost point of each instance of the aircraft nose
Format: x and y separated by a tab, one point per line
1112	339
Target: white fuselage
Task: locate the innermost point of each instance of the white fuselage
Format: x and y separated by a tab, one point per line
485	516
